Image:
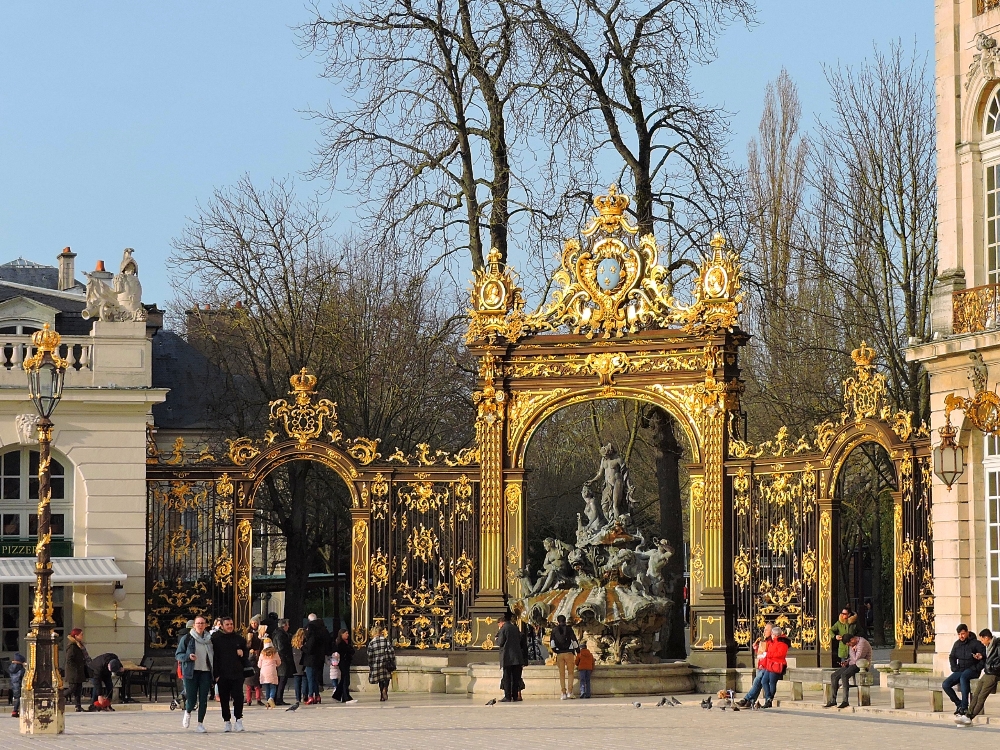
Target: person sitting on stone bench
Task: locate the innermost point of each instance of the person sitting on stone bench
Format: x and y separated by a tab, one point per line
988	682
966	660
857	648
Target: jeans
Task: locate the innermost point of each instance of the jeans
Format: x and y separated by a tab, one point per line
987	686
758	683
196	689
584	683
770	684
842	677
963	679
231	689
566	662
270	690
103	684
279	696
300	688
312	680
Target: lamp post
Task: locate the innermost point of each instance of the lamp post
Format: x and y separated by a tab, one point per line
42	703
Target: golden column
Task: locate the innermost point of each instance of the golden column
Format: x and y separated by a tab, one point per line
243	555
42	703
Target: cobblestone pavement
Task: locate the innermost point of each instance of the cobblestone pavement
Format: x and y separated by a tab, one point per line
444	723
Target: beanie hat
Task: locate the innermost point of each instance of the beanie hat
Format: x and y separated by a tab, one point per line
18	657
115	666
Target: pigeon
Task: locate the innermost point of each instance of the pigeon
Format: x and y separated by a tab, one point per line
491	702
292	707
707	703
662	703
637	704
674	701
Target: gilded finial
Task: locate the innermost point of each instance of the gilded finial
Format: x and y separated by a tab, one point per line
864	355
303	384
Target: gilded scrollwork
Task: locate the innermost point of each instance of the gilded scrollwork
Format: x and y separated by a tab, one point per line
379	569
865	393
363	450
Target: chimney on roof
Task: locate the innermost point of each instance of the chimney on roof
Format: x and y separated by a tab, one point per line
67	269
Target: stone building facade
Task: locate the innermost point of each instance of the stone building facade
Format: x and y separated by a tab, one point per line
966	312
99	451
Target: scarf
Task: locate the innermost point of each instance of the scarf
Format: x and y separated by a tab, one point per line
203	650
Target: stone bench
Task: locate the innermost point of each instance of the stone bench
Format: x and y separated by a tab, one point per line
863	681
926	683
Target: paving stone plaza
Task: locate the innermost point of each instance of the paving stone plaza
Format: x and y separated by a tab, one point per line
448	723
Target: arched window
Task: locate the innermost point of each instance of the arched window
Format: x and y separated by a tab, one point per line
991	123
991	167
19	496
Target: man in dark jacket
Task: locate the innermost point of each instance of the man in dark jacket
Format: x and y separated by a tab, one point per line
511	658
988	682
229	648
283	645
16	671
103	668
966	659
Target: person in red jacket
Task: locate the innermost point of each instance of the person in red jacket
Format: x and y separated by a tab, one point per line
774	663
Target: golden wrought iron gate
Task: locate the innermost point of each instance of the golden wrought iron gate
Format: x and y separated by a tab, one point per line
414	520
438	539
786	532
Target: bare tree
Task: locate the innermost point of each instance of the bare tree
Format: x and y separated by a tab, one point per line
277	301
794	362
443	107
623	72
876	176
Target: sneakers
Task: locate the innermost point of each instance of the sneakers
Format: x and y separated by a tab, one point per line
742	703
200	728
963	720
15	713
564	697
239	726
572	696
352	700
186	720
227	727
767	704
270	703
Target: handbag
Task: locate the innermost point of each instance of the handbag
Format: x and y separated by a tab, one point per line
391	663
248	671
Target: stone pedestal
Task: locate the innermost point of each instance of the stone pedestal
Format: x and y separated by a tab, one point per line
607	680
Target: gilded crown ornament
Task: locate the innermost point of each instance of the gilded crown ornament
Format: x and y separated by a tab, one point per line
45	341
863	356
497	303
717	295
304	420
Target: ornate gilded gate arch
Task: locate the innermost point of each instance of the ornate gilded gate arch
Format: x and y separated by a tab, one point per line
786	521
436	536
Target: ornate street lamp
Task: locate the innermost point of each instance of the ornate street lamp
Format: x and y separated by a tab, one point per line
949	458
42	703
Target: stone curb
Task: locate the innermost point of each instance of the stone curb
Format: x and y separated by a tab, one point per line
890	713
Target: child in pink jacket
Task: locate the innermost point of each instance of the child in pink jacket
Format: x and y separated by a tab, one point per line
268	664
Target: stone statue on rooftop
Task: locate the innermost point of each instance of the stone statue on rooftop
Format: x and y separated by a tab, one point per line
120	300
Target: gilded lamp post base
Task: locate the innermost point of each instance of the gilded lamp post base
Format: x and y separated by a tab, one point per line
42	711
43	706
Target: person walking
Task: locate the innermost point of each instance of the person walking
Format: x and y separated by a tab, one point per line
859	648
77	663
283	645
343	647
16	673
966	660
230	650
512	658
381	662
301	686
563	642
195	654
268	663
314	650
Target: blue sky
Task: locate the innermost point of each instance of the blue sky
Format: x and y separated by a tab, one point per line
116	118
